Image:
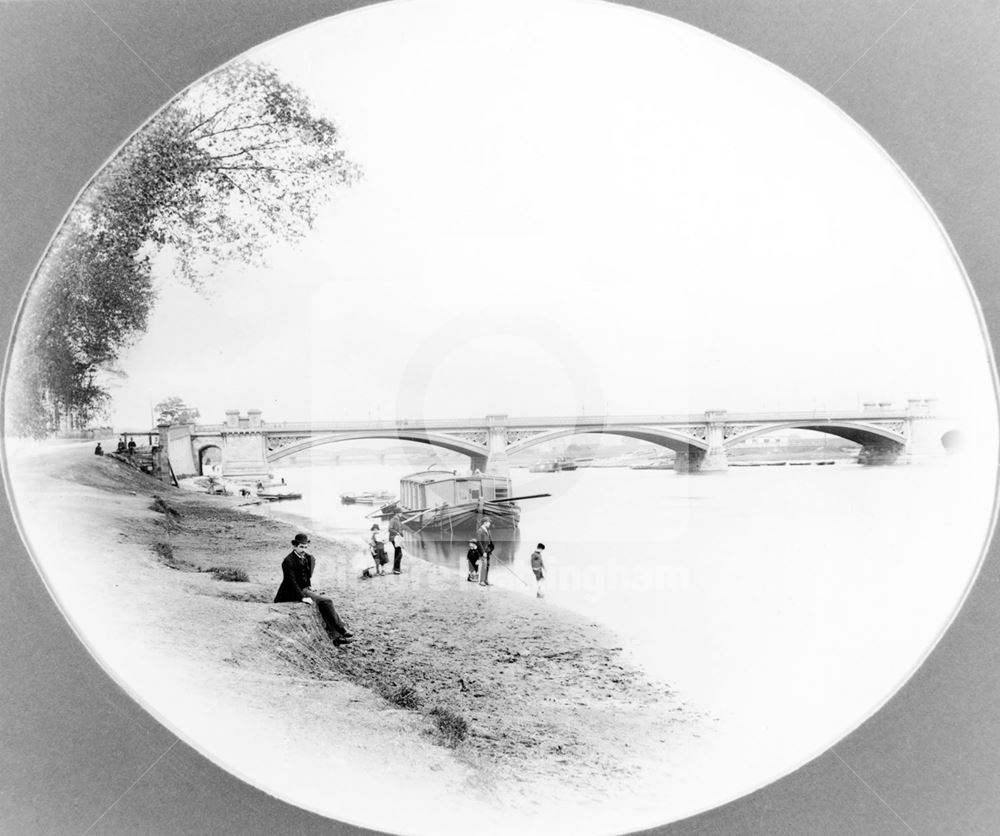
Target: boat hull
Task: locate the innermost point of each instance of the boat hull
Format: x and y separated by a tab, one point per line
461	520
446	505
278	497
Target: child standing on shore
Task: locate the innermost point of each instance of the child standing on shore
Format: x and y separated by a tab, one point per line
538	567
377	548
472	556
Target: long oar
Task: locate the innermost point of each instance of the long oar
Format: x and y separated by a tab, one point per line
414	516
415	511
505	566
496	507
478	502
515	498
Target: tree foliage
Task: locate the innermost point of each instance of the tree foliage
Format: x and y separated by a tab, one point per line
236	164
174	410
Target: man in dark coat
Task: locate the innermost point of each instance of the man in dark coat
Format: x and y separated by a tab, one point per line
485	540
396	538
296	581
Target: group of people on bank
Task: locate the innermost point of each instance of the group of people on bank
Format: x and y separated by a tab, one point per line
298	566
129	448
480	553
377	546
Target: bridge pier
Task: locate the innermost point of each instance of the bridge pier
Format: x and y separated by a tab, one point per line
880	453
496	446
244	446
689	459
924	433
714	460
696	460
715	457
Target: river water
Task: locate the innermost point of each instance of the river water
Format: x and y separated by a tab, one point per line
787	602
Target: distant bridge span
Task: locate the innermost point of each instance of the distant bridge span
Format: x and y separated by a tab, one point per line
248	445
437	439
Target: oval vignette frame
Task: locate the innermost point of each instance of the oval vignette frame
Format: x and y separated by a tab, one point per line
781	795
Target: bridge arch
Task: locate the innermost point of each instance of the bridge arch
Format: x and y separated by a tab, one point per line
676	441
208	456
447	442
859	433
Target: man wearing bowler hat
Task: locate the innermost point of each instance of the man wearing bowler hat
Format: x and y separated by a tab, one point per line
485	540
296	580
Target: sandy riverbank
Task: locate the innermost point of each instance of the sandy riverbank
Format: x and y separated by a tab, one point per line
563	732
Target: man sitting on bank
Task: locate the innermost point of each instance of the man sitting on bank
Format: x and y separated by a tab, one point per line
296	581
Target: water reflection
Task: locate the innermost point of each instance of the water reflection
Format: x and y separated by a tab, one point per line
450	549
777	598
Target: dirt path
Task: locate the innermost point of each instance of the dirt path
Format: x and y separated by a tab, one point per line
478	707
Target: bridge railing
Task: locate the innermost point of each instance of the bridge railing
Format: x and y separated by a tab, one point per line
445	424
819	415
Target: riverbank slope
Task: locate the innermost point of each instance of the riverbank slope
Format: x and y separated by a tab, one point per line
473	707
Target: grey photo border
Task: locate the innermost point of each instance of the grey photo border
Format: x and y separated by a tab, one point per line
78	77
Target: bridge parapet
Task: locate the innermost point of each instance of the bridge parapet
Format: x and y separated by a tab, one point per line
584	422
701	441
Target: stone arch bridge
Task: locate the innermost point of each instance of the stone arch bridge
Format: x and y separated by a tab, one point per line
245	446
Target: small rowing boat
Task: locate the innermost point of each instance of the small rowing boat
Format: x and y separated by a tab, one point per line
367	498
275	493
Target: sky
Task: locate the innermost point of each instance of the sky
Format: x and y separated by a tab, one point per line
573	207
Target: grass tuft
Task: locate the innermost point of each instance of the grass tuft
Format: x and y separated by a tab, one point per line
452	726
405	696
229	573
162	507
165	554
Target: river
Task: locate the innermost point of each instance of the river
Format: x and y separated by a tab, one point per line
787	602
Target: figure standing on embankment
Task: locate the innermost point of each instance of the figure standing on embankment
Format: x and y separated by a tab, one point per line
472	556
485	541
397	552
538	568
296	585
396	539
376	545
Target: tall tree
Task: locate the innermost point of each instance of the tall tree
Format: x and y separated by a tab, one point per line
174	410
234	165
